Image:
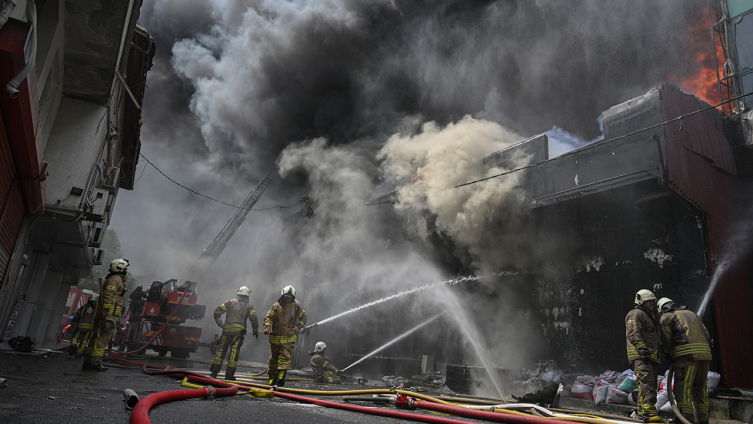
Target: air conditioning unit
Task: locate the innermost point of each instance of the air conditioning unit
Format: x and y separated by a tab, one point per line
110	202
96	205
747	122
97	255
96	235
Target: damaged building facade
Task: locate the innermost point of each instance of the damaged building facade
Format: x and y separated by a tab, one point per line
69	141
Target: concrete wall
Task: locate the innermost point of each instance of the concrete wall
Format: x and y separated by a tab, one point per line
73	148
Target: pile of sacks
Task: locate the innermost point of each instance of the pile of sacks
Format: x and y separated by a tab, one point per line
621	388
609	387
662	399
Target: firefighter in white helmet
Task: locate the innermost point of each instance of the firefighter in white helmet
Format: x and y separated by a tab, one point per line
238	310
324	371
108	315
685	341
642	333
284	319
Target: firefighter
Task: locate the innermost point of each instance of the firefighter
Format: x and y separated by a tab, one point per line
324	371
284	319
136	303
642	333
238	310
685	342
108	316
84	322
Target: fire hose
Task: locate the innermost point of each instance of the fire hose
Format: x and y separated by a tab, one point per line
140	414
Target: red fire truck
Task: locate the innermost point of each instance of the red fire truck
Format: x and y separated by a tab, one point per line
168	305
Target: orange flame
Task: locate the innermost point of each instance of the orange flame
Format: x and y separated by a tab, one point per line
704	83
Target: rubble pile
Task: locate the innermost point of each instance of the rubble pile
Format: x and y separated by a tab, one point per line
543	374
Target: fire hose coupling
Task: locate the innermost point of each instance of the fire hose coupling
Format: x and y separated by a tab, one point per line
403	402
211	392
131	398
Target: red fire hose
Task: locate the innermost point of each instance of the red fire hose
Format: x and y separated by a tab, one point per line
140	414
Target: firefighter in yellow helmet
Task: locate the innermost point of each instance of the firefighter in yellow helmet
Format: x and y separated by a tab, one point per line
284	319
84	322
324	371
238	310
642	333
108	316
685	342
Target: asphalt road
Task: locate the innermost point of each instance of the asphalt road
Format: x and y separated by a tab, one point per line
52	389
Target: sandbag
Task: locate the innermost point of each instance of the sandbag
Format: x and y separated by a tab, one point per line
628	384
581	391
609	376
713	379
615	395
633	399
600	393
661	399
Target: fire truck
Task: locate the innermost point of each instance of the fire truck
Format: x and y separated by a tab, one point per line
168	305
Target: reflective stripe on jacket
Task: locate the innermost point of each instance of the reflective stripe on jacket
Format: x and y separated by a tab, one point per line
237	314
112	296
642	334
684	335
282	317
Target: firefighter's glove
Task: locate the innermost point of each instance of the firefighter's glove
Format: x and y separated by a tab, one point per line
243	332
337	372
267	330
295	329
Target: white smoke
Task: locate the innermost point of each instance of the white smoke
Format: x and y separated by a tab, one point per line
439	159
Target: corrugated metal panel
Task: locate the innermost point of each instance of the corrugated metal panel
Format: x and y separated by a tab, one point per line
701	168
11	201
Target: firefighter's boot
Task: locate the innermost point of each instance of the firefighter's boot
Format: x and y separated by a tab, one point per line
72	350
272	379
281	378
230	375
213	375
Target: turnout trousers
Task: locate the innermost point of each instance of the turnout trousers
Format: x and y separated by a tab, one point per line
646	373
690	393
227	343
95	348
279	357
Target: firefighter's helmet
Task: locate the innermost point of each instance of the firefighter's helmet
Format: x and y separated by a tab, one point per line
288	291
118	265
644	295
243	291
93	298
319	347
664	301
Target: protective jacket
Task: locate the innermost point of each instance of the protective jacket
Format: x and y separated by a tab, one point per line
281	318
642	334
684	336
320	364
237	314
84	318
112	296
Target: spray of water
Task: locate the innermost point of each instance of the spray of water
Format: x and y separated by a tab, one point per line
402	293
395	340
472	335
721	268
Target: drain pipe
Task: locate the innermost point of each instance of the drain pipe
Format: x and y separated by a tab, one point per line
131	398
5	11
12	86
670	395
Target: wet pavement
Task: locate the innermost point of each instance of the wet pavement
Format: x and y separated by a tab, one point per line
52	388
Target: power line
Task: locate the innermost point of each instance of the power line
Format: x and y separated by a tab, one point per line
204	195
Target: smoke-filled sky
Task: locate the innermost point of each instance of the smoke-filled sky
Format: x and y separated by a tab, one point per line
345	99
